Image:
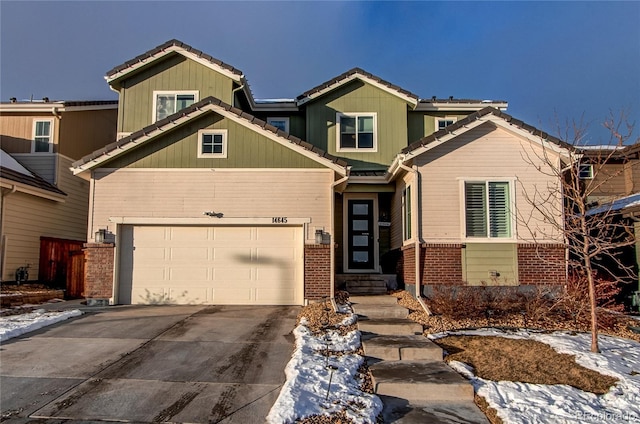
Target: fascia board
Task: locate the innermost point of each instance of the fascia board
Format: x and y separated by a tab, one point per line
527	135
34	191
463	107
170	50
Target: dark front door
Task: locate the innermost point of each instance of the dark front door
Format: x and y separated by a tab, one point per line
360	233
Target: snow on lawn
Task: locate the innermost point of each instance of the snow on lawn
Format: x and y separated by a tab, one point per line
309	374
536	403
16	325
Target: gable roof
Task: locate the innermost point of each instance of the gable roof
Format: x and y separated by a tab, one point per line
169	48
209	104
353	74
15	172
488	114
46	106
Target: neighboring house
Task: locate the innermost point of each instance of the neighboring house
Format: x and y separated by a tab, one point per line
44	207
212	196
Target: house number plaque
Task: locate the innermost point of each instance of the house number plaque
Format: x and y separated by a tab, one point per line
279	220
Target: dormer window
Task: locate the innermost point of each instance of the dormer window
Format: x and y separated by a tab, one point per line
167	103
356	132
279	122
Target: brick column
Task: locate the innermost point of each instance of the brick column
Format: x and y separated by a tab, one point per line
317	271
409	264
98	272
541	264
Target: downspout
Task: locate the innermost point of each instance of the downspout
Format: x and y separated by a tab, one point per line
332	271
414	217
3	237
233	94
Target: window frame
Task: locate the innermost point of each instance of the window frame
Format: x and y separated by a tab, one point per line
407	215
223	133
285	119
511	183
439	119
357	115
51	122
583	166
176	93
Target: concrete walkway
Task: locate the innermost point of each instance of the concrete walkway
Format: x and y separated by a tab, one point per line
408	370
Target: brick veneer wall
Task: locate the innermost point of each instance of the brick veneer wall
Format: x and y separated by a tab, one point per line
409	264
98	270
541	264
317	271
441	264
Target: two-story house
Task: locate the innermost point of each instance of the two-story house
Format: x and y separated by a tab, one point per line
44	208
212	196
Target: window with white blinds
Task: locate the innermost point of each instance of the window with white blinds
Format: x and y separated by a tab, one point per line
487	209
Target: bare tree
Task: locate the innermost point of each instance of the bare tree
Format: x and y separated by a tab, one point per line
593	231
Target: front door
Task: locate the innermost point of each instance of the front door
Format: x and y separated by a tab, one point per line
361	236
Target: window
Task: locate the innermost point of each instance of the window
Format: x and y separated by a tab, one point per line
406	213
442	123
212	143
585	172
167	103
487	209
356	131
280	123
42	136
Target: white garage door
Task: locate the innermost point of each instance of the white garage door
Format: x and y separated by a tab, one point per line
212	265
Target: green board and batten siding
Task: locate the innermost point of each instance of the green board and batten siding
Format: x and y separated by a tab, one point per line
422	124
179	149
176	73
479	259
359	97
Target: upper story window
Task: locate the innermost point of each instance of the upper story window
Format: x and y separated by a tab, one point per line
212	143
487	209
585	172
42	136
167	103
280	123
356	132
442	123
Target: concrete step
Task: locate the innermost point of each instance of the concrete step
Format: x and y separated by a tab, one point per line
373	300
366	291
390	327
420	382
402	348
381	311
400	411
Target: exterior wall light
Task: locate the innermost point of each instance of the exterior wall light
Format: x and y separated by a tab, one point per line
100	235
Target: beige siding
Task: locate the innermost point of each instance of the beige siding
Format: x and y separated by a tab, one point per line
82	132
43	164
614	180
188	193
174	73
484	152
27	218
16	131
490	264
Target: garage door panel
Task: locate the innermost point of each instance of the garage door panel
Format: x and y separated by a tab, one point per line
216	265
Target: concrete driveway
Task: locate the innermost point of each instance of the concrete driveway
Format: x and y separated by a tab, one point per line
198	364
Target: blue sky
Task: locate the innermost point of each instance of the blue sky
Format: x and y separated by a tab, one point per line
551	60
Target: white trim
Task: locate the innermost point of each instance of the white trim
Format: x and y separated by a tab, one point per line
51	122
357	115
437	120
198	112
403	201
42	107
223	133
105	171
512	210
413	102
167	51
34	191
285	119
207	221
345	231
459	107
156	93
590	172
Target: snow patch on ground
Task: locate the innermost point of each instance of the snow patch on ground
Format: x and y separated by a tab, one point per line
518	402
323	385
16	325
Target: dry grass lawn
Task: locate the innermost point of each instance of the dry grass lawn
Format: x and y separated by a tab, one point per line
527	361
